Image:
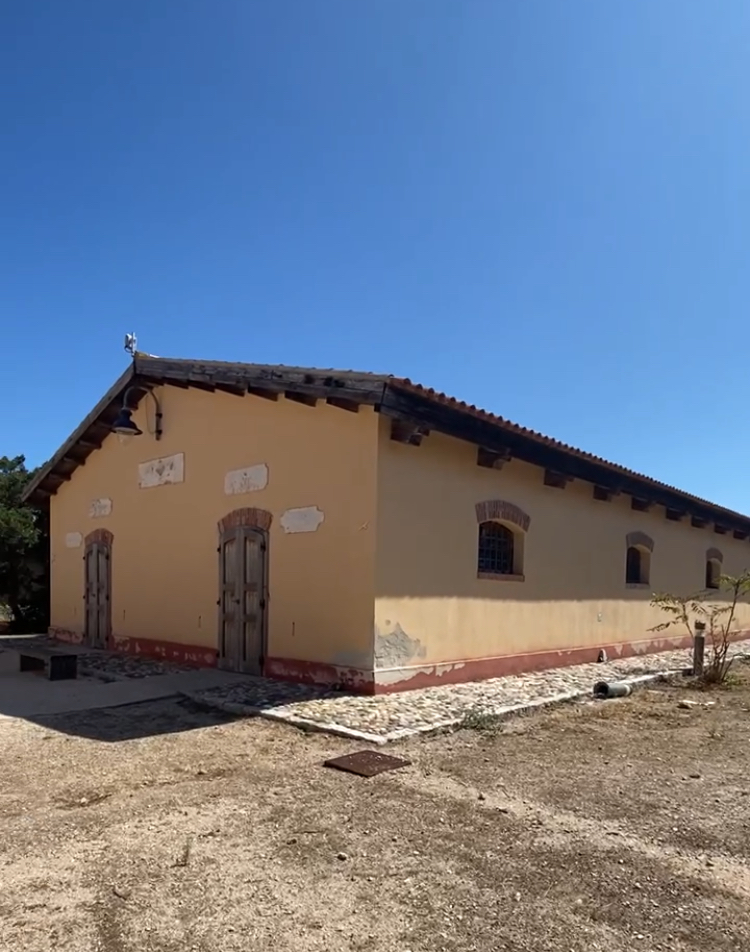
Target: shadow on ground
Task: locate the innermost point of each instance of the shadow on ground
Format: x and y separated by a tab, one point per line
117	697
173	715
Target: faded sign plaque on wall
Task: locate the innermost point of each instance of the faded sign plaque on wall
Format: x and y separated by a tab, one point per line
73	540
247	480
162	472
100	507
304	519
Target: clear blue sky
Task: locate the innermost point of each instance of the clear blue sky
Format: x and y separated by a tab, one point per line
539	206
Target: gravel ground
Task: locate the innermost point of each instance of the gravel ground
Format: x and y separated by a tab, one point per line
613	826
395	716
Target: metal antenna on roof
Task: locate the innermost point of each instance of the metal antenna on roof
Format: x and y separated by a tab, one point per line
130	344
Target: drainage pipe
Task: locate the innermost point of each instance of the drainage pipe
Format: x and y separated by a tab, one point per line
605	690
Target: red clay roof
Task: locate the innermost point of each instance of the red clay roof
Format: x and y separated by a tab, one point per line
448	401
361	386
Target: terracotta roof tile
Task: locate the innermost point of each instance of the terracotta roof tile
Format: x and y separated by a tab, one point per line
158	369
446	400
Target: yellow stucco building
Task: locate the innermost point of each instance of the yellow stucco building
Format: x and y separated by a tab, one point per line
356	530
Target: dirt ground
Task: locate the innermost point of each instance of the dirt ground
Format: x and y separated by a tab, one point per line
612	826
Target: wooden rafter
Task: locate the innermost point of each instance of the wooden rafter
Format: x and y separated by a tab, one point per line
492	459
416	412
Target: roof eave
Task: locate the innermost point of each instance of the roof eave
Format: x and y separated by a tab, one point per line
401	401
34	494
395	397
343	388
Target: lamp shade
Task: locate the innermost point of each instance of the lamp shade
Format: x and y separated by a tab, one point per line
124	425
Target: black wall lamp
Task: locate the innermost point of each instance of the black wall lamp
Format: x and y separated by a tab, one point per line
123	424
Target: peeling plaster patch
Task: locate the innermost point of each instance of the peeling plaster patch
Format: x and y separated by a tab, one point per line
306	519
161	472
100	507
73	540
396	649
399	675
248	480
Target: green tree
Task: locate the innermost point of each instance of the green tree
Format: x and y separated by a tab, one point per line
718	619
23	550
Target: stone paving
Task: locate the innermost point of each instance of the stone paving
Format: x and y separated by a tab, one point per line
15	642
96	663
116	667
392	717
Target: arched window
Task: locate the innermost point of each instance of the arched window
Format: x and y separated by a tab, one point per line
713	571
496	550
714	559
638	558
633	566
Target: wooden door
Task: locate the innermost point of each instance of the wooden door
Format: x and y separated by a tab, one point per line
97	595
242	599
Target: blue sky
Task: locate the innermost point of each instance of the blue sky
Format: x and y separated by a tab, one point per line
539	206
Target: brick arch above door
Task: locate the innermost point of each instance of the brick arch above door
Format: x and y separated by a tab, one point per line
99	537
252	518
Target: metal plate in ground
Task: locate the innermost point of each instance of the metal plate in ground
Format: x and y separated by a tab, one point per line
367	763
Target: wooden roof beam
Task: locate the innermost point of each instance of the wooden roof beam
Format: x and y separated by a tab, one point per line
57	478
408	432
604	493
351	405
304	398
463	424
359	388
208	385
234	388
556	480
492	459
263	393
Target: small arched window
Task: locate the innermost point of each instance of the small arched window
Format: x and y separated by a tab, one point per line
497	549
633	566
638	558
714	560
713	571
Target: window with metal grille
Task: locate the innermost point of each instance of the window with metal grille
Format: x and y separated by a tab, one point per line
496	549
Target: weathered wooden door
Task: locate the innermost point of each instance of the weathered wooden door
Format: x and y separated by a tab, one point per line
242	599
98	576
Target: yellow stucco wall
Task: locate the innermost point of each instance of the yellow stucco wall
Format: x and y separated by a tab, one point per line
432	608
164	561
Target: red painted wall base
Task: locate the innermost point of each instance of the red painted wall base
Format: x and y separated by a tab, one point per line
283	669
361	681
356	680
459	672
147	648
